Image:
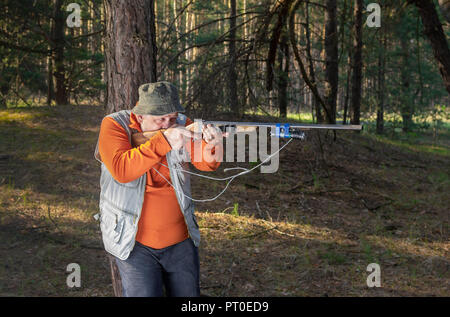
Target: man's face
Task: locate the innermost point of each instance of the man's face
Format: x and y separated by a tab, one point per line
154	123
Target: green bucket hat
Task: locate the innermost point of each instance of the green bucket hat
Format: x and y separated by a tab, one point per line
158	99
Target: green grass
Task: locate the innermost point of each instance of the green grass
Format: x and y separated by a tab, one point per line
301	117
412	144
235	211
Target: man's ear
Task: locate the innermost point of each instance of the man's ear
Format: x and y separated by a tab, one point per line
139	118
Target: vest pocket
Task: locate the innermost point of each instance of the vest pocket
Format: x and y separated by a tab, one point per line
111	226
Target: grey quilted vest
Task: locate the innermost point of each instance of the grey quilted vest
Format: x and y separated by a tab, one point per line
121	203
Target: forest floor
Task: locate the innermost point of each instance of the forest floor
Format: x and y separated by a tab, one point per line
310	229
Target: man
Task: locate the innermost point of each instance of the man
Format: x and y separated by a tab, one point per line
146	217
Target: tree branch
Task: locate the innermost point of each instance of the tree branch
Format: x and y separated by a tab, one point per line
311	85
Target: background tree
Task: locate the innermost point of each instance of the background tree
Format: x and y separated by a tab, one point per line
58	41
331	59
357	63
130	29
381	79
232	75
130	53
433	30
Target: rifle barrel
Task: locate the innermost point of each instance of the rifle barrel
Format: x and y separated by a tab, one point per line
302	126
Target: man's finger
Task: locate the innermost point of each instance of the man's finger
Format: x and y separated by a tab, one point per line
186	132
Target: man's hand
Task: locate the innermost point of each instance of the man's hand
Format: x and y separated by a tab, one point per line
178	136
213	135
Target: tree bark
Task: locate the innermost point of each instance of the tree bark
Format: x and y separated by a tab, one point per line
445	9
232	75
283	60
130	54
433	30
357	64
347	88
331	58
315	102
50	90
130	62
61	96
4	89
345	93
406	107
381	81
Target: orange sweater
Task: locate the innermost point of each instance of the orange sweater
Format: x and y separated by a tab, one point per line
161	223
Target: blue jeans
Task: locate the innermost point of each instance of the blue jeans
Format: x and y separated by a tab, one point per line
147	270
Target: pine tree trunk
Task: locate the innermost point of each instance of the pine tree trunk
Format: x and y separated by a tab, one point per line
130	54
61	97
315	103
433	30
357	64
331	58
4	89
406	107
381	82
283	57
115	276
50	90
130	57
232	75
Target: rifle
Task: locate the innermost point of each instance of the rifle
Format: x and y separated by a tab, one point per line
282	130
